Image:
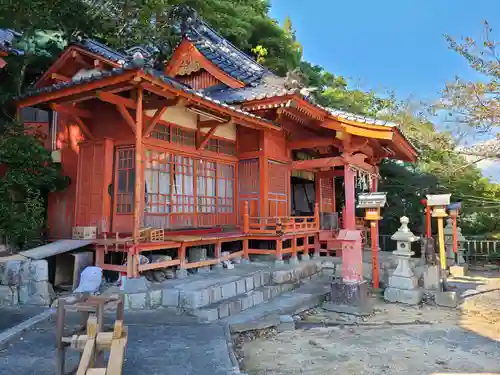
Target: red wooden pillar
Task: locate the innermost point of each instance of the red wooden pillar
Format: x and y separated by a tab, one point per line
374	189
138	188
349	218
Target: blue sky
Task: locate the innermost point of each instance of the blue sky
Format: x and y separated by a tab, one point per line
390	44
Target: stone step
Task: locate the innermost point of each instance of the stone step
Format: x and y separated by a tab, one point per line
267	314
241	302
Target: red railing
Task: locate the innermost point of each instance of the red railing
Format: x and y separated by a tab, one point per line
280	224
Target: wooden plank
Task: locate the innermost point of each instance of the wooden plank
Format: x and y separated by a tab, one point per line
116	99
313	142
87	357
117	354
82	126
72	110
96	371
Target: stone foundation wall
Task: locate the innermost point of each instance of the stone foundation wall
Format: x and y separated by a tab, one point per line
25	282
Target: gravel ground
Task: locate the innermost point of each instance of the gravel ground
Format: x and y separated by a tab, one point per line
9	317
396	339
154	348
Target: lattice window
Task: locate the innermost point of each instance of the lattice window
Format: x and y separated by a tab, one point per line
183	137
205	187
158	181
225	188
278	178
183	188
161	132
125	171
221	146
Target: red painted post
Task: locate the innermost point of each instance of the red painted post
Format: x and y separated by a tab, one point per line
350	198
428	222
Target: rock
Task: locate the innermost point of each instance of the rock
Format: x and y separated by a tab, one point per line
446	299
458	271
286	323
36	293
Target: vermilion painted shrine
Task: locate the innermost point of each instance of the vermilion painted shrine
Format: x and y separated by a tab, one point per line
213	149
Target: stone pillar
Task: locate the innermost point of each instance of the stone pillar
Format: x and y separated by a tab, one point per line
403	285
461	267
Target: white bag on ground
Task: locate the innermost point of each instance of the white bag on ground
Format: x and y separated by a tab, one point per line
90	280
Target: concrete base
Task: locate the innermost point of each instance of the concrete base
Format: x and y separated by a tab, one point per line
279	262
294	260
350	298
459	271
305	257
181	273
245	261
408	297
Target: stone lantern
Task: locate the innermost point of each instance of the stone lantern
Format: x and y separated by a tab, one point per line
403	285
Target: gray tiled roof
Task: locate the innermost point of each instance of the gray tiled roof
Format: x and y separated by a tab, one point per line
7	37
157	74
223	54
101	49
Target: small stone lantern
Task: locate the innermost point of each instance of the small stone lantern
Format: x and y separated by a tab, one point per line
403	285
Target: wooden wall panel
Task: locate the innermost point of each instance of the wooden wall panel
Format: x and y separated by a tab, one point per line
199	80
248	186
248	140
327	194
276	145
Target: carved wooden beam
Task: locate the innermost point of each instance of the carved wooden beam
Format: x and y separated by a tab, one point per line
153	121
116	99
358	160
60	77
127	117
160	103
313	143
203	141
71	110
331	173
318	163
157	90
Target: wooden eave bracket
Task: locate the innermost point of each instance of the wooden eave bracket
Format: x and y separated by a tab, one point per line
153	121
116	99
127	117
201	142
76	114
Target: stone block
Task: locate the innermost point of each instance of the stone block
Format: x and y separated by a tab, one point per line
170	298
234	307
215	294
9	296
432	277
266	293
446	299
223	310
194	299
257	279
266	277
181	273
207	315
401	282
458	271
408	297
286	323
280	277
228	290
136	301
294	260
136	285
246	302
240	286
155	298
249	284
258	297
34	271
350	298
279	262
204	270
12	273
36	293
305	257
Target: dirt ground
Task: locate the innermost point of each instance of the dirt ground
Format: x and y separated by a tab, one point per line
396	339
